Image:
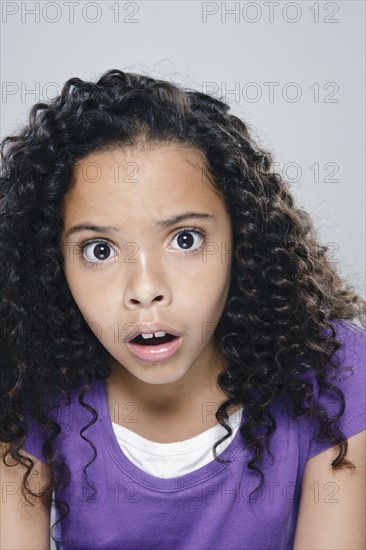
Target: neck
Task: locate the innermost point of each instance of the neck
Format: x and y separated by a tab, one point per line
198	386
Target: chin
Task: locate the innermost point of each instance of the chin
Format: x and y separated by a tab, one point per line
159	378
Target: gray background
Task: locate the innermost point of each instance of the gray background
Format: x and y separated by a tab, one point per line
312	52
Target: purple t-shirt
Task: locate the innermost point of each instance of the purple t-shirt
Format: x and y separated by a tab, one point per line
206	509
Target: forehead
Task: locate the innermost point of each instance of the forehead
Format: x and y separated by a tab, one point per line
151	180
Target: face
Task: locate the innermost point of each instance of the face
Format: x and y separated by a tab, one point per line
143	272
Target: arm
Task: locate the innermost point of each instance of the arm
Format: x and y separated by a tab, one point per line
22	525
333	516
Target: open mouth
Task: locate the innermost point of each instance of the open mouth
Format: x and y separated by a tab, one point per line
155	349
154	341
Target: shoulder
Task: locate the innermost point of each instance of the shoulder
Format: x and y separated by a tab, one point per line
332	504
65	419
24	523
352	337
351	356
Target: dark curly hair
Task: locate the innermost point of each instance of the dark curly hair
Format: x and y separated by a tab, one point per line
284	292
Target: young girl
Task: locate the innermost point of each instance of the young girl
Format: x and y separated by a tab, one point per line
182	365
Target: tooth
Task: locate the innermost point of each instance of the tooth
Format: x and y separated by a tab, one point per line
156	334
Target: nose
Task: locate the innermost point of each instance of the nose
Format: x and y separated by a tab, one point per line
146	287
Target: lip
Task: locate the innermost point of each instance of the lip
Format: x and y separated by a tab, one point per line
149	329
153	354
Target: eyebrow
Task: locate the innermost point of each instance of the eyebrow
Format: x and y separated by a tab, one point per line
168	222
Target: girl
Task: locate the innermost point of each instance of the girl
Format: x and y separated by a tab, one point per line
182	365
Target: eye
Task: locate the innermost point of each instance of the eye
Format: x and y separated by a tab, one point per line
186	241
94	253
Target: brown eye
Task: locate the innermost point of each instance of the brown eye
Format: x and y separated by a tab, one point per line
101	251
95	252
185	240
189	239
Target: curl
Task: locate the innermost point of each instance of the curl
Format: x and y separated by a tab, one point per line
284	291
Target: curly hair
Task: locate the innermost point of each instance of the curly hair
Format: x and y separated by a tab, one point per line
284	292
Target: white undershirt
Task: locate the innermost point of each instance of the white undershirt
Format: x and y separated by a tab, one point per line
167	460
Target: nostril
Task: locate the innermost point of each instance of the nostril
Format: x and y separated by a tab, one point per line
158	299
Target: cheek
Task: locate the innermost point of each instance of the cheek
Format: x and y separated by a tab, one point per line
86	296
202	296
103	321
77	285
